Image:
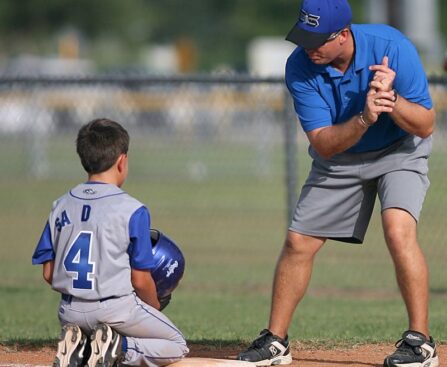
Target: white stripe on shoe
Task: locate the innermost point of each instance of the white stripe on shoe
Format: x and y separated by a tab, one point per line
71	338
100	341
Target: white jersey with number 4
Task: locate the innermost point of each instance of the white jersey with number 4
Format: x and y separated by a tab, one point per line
95	233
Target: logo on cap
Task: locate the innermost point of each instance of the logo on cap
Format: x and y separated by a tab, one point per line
310	19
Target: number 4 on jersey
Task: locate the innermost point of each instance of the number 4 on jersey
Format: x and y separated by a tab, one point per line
77	262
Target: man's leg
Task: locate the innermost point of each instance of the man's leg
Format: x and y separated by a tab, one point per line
416	347
292	276
410	265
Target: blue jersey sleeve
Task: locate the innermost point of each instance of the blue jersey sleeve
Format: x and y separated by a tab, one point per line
44	251
411	81
140	247
312	110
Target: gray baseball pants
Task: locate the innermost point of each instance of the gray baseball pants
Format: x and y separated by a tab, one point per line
152	339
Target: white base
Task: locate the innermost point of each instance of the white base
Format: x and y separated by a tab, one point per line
211	362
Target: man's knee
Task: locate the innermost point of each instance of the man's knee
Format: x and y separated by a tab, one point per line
399	228
398	240
301	245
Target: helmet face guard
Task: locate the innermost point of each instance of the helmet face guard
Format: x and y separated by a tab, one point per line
169	263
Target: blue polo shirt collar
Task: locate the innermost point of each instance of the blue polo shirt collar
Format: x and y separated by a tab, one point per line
361	47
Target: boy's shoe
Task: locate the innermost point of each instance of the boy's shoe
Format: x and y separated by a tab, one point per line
71	347
267	350
106	347
413	350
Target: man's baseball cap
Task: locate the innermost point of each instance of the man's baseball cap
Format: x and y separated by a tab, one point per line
318	20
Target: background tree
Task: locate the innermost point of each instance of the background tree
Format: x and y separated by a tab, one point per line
113	32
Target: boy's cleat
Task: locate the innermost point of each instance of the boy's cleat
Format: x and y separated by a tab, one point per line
267	350
106	346
71	347
413	350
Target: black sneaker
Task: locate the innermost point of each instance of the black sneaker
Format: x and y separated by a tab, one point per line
413	350
267	350
106	346
71	347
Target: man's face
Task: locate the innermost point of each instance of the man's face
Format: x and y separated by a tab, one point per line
328	52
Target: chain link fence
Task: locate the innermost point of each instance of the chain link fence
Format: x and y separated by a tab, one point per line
219	160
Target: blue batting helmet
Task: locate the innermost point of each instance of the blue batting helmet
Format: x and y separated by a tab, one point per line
169	263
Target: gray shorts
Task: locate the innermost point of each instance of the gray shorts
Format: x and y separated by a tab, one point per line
338	197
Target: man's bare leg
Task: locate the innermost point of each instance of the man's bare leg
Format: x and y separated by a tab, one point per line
410	266
292	276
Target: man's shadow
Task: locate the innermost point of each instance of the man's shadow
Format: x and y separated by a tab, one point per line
322	362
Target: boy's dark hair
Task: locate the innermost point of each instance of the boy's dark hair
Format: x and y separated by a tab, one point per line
99	144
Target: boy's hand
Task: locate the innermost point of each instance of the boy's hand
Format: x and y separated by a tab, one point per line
164	301
144	287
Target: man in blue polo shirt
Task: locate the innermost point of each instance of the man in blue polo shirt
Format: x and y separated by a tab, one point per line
361	96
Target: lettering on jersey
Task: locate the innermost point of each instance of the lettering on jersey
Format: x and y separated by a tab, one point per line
89	191
85	215
62	221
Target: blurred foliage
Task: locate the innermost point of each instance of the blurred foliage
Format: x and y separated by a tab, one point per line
223	28
40	18
115	32
33	26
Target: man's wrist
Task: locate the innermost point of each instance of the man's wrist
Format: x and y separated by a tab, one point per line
363	121
396	96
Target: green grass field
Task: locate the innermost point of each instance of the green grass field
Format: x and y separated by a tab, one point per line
230	219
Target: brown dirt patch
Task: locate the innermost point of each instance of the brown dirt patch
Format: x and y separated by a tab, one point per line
304	356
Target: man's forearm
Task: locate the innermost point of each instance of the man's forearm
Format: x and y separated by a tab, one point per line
331	140
413	118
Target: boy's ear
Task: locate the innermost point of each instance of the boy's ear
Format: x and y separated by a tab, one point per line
120	162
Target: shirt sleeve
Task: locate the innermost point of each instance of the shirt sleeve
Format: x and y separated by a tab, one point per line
312	110
44	250
140	247
411	81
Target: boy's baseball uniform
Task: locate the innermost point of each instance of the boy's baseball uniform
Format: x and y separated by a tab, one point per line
96	233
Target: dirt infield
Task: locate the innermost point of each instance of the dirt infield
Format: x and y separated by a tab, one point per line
359	355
